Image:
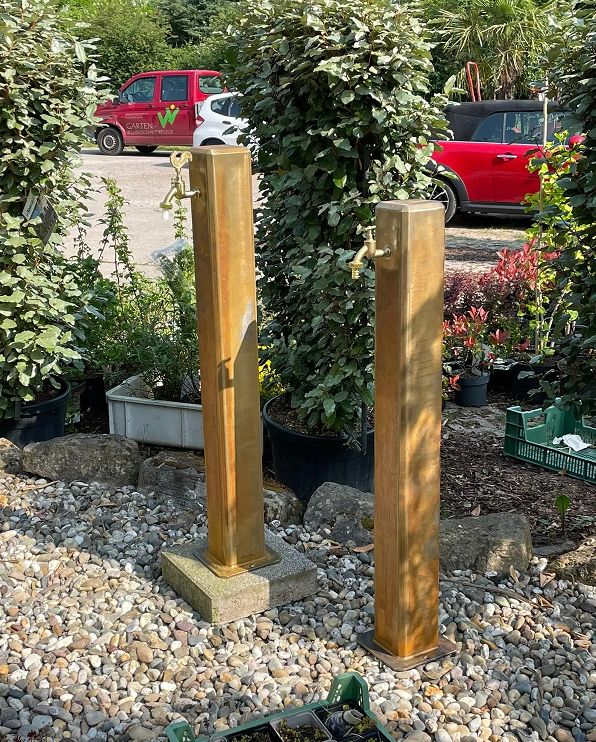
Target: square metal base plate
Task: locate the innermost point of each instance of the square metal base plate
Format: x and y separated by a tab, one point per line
367	640
223	570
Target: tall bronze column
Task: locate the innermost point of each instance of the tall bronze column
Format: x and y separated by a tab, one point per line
227	318
410	246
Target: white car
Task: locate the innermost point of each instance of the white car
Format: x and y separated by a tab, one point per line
221	122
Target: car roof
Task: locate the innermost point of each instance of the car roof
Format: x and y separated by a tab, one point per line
464	118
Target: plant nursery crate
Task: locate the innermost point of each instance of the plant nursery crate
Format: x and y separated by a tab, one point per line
347	691
529	437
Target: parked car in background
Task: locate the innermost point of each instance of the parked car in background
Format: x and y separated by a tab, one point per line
219	120
484	167
154	108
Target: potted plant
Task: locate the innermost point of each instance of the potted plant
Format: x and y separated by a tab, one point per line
301	727
468	348
335	93
147	346
44	309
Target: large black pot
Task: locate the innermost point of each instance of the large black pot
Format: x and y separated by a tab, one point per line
528	388
38	421
472	390
303	462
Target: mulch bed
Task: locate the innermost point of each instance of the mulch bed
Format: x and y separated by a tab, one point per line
475	472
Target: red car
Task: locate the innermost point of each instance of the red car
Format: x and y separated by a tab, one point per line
155	108
484	168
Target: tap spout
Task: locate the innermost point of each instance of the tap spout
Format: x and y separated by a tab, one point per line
178	189
368	250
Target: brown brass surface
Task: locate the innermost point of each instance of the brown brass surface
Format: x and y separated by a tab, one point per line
443	648
222	220
225	570
409	315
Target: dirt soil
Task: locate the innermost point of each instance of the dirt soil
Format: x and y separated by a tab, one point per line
475	473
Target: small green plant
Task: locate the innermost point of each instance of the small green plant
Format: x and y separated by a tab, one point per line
258	736
150	325
562	503
302	733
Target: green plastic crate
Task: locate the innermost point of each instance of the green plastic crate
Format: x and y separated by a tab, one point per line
534	442
349	688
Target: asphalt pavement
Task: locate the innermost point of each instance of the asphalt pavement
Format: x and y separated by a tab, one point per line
472	241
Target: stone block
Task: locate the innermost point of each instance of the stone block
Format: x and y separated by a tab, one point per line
111	460
10	456
177	474
220	600
488	543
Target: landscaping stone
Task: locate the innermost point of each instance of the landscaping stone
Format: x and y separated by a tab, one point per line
345	511
10	456
282	506
488	543
180	475
176	474
579	564
111	460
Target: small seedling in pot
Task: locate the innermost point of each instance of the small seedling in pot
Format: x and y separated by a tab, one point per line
302	733
252	737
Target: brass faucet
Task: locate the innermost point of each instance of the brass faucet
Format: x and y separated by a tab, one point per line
370	251
178	190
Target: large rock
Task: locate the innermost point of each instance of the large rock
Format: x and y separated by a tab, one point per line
111	460
10	456
488	543
345	511
579	564
173	474
483	544
282	506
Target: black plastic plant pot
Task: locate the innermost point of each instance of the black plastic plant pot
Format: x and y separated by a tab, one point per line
472	390
502	376
38	421
93	396
303	462
525	384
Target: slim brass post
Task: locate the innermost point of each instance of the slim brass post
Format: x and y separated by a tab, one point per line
409	315
222	219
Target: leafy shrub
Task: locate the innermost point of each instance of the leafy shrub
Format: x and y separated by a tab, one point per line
150	325
336	95
48	97
576	265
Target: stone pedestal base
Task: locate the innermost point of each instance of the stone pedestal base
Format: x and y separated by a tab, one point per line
221	600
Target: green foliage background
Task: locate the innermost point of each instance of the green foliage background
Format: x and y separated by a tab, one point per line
339	102
48	97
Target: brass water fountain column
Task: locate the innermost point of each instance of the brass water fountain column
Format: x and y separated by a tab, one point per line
409	258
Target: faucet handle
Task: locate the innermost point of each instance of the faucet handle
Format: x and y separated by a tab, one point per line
179	159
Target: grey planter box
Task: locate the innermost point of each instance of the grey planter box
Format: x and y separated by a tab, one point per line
134	414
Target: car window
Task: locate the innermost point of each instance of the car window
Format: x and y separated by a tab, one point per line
139	91
211	85
174	87
220	106
234	107
490	130
523	127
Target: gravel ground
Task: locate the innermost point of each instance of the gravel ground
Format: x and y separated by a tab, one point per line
93	644
472	241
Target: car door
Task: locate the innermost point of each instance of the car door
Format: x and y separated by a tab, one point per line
522	142
135	111
472	161
175	116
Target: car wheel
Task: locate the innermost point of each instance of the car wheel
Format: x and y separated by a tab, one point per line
445	193
146	149
110	141
211	142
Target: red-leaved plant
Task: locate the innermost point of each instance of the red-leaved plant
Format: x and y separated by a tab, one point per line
469	343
